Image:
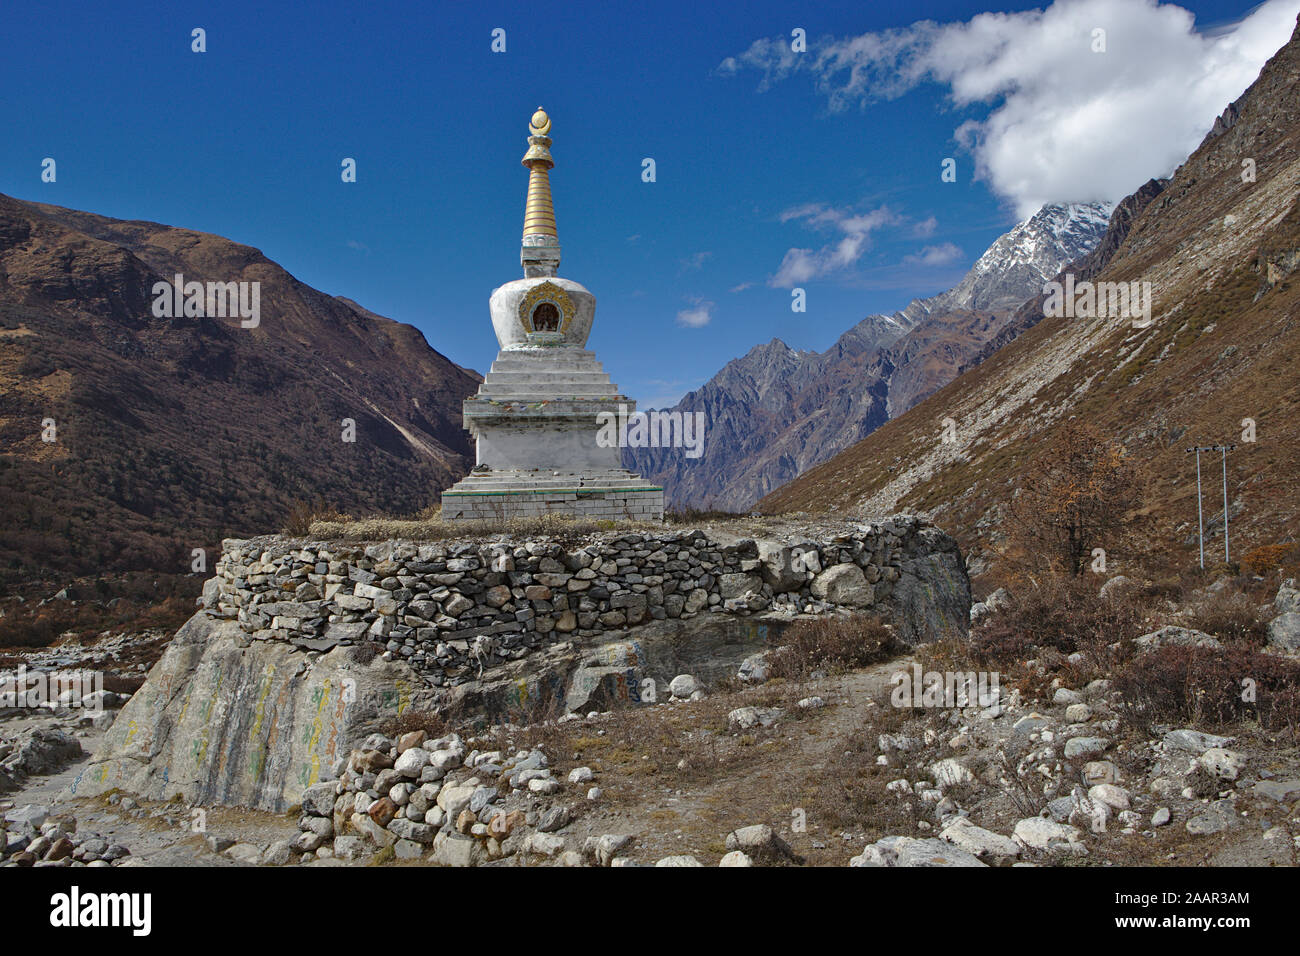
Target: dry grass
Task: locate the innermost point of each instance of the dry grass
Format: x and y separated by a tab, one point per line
434	723
832	645
1231	617
430	526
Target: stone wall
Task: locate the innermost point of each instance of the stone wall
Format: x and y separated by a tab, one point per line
263	693
455	609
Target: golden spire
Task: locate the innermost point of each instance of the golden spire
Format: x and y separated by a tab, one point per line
540	254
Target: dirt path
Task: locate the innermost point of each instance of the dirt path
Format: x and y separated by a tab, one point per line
789	776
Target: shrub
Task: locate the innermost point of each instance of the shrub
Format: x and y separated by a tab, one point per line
162	607
434	723
1080	492
832	644
694	516
303	514
1233	618
1195	684
1060	612
1266	558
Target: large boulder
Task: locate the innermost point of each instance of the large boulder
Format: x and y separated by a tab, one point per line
931	598
844	584
1284	631
222	719
581	676
784	567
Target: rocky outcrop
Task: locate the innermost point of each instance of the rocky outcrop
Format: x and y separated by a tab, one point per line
224	720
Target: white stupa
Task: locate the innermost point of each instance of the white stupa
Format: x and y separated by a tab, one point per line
537	415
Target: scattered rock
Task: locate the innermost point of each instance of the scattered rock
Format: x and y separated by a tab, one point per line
760	842
1100	771
683	686
983	844
754	669
1041	834
1224	764
1117	798
1171	635
604	848
245	853
1283	791
1216	818
909	852
1085	747
1193	741
745	718
950	772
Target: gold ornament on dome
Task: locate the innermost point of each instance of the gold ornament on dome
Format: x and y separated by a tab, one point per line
543	294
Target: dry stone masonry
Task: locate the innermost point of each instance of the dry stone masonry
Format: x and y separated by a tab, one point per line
454	610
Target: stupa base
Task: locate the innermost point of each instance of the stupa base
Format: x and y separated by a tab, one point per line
494	495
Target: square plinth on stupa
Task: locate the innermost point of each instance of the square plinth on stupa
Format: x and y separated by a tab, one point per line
536	419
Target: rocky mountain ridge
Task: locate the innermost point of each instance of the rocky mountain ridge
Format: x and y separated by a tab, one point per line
777	411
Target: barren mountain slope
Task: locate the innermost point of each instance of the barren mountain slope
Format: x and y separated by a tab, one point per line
170	432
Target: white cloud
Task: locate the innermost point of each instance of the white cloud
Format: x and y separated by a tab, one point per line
940	255
800	265
925	228
698	316
695	262
1063	123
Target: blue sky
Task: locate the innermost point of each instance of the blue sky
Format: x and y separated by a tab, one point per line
762	162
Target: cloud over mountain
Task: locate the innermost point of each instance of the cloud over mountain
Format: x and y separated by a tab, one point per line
1065	119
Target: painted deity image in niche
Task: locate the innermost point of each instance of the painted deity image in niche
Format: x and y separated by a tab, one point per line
546	318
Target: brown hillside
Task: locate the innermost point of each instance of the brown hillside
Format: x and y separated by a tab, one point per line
172	432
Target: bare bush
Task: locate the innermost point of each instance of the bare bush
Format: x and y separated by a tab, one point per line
832	645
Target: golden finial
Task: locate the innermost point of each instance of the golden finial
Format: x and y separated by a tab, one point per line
541	246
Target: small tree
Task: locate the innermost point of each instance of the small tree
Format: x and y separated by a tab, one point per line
1077	495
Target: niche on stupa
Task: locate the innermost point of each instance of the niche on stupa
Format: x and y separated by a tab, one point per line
546	318
546	308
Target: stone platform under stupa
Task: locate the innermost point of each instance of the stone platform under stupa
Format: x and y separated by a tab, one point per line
537	417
